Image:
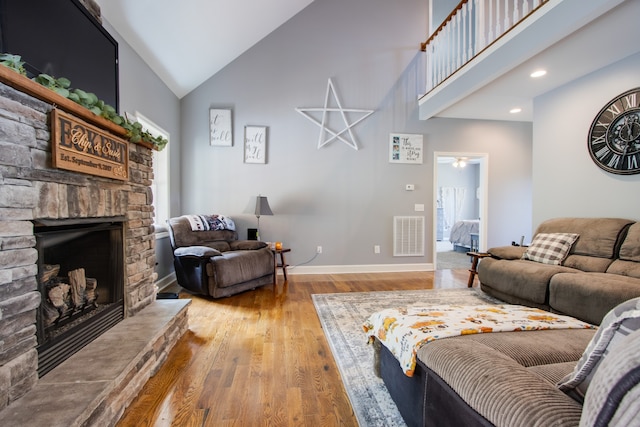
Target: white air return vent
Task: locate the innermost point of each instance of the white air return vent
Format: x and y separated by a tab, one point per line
408	236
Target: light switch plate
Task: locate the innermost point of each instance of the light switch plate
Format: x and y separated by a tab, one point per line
419	207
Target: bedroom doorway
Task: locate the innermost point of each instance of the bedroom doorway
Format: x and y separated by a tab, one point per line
460	208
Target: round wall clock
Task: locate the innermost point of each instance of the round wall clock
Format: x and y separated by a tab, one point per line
614	137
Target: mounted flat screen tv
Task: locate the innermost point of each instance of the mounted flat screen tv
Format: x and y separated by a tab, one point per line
62	39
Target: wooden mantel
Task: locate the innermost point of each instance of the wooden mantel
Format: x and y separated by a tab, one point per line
28	86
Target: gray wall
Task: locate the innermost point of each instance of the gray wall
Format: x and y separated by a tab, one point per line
336	197
142	90
566	181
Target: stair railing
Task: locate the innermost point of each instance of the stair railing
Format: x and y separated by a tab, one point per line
469	29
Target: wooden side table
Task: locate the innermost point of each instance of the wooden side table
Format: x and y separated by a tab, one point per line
282	264
474	265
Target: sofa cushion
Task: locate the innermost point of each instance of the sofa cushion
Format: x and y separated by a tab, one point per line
553	372
625	268
507	252
247	245
235	267
525	281
630	249
533	348
590	296
219	245
182	235
587	263
616	325
496	386
598	236
615	401
550	248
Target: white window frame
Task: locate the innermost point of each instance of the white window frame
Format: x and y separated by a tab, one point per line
160	182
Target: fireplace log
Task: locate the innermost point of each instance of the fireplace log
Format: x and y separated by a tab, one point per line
49	314
58	296
49	271
90	291
78	283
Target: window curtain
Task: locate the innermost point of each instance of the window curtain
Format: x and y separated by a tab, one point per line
452	201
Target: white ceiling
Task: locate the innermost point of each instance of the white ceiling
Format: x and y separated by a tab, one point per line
187	42
565	48
186	45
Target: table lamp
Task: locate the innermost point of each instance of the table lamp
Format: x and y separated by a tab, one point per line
262	208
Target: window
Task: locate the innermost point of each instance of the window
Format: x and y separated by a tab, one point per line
160	183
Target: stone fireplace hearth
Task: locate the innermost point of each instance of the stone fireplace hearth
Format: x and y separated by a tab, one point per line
33	193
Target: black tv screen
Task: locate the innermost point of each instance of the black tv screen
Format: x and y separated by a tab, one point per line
62	39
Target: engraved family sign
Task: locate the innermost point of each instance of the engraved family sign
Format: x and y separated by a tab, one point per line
80	147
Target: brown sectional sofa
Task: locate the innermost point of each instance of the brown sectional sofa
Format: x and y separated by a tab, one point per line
601	271
510	378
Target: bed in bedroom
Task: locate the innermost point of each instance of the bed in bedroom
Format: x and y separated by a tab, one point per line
461	232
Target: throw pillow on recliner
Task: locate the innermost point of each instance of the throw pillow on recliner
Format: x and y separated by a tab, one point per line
616	325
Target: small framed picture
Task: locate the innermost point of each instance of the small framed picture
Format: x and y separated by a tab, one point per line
220	130
255	144
405	148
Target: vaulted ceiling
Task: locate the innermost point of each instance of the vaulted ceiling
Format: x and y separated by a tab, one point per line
187	42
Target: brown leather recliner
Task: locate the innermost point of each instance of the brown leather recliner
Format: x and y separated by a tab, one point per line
215	262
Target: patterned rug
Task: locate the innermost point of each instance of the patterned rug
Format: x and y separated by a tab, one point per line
342	315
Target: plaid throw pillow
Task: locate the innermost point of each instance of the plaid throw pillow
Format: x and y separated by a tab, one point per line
550	248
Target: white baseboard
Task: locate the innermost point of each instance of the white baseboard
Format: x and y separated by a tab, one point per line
166	281
366	268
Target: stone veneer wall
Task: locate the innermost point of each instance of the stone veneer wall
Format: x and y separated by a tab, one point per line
31	189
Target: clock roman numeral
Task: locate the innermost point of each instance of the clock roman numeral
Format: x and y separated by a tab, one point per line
599	139
603	152
632	162
613	161
602	124
630	101
614	110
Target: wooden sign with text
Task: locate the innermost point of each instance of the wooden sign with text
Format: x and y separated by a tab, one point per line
80	147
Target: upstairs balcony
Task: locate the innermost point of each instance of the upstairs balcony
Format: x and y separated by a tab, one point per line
478	61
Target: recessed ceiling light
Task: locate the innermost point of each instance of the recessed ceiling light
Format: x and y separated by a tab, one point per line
515	110
538	73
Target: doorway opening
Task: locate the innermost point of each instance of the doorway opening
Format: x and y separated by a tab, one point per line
460	212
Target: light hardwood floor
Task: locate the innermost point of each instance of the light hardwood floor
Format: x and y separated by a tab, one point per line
260	358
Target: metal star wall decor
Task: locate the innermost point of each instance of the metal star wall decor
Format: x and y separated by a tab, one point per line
349	139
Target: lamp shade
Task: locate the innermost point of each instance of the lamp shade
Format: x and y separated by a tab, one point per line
262	206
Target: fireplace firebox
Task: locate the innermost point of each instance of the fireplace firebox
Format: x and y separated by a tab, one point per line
81	281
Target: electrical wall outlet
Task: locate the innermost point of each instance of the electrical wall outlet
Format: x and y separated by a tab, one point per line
319	250
376	249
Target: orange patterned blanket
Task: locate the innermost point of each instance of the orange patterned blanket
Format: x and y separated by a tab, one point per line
404	330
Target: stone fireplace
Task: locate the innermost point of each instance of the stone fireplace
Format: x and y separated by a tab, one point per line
99	230
81	284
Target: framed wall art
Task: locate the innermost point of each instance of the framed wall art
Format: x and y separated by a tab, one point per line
220	130
405	148
255	144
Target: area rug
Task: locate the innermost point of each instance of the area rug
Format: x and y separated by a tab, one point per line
452	260
341	316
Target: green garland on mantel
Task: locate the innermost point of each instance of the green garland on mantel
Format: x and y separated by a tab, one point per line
88	100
